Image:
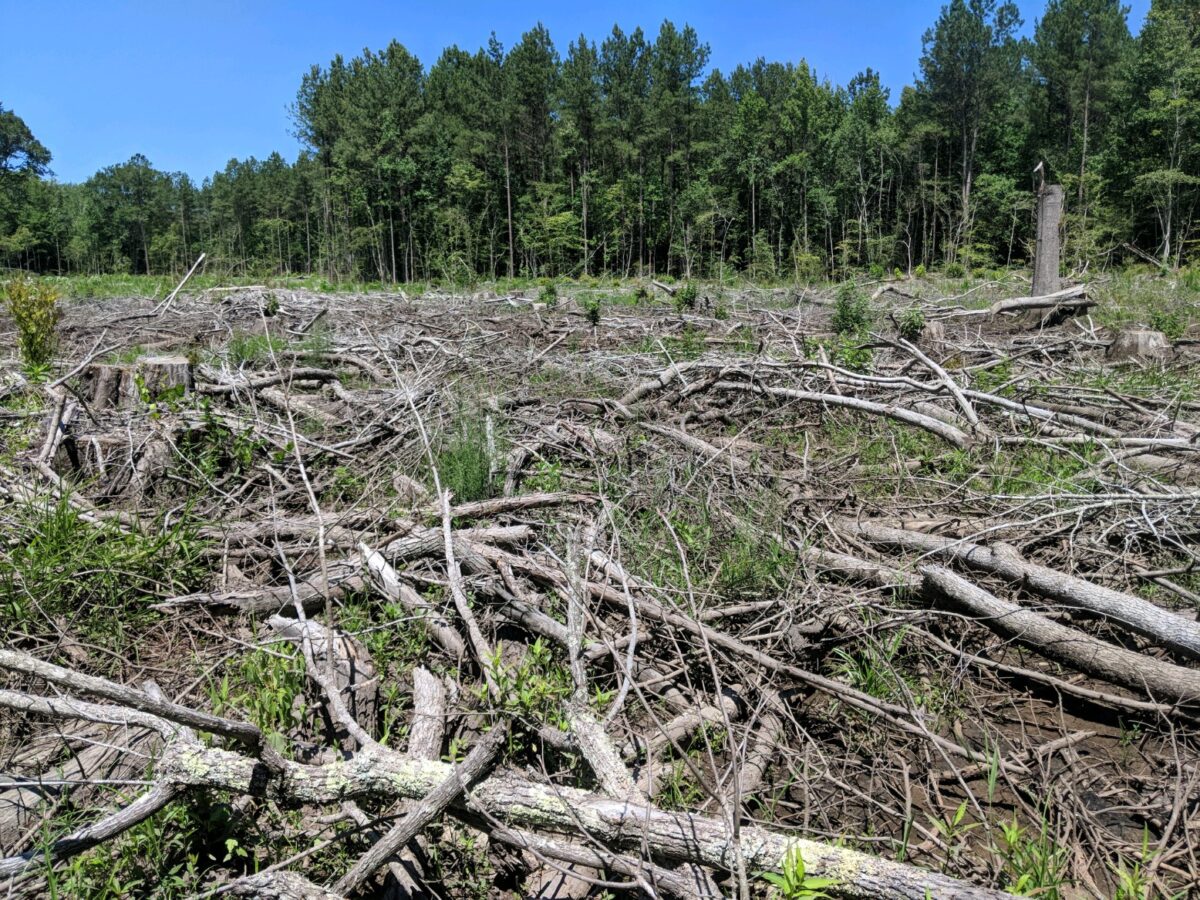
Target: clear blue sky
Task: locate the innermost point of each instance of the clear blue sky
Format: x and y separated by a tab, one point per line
192	85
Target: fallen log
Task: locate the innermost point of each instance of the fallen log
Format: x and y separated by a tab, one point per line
948	433
1158	679
1140	616
519	803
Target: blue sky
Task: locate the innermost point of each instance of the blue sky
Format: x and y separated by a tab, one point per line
191	85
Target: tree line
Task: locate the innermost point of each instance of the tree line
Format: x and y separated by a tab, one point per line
631	156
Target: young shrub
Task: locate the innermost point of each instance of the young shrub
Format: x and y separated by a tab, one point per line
911	324
851	311
955	270
919	271
33	304
876	270
549	294
896	273
591	310
686	296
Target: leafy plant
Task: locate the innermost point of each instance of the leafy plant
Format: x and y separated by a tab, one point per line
1034	863
792	881
685	298
872	670
851	310
549	294
919	271
911	324
591	310
59	573
955	270
252	349
33	305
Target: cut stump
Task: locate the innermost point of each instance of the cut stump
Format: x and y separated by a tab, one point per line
1139	345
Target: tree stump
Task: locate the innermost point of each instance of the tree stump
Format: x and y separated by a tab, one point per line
128	385
933	335
1046	259
1139	345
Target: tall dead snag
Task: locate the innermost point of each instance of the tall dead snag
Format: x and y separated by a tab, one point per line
1049	243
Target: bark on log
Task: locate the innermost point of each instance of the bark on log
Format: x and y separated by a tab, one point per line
280	885
949	433
1140	616
1156	678
452	787
519	803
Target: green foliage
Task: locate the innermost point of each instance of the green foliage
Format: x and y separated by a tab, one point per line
1035	864
267	687
248	349
911	324
792	881
851	310
165	856
535	161
591	310
1172	323
872	669
1134	881
61	574
689	344
464	463
954	270
535	688
919	271
849	353
685	298
33	305
953	830
751	565
549	294
215	449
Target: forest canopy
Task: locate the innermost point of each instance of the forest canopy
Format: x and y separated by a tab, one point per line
631	155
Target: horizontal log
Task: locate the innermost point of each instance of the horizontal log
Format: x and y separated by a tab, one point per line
1154	677
1139	616
520	803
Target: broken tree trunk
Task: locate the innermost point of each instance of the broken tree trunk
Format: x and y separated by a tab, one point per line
1048	251
354	674
521	803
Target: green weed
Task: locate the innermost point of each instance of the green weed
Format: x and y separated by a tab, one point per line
1034	864
792	881
245	349
92	580
464	463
